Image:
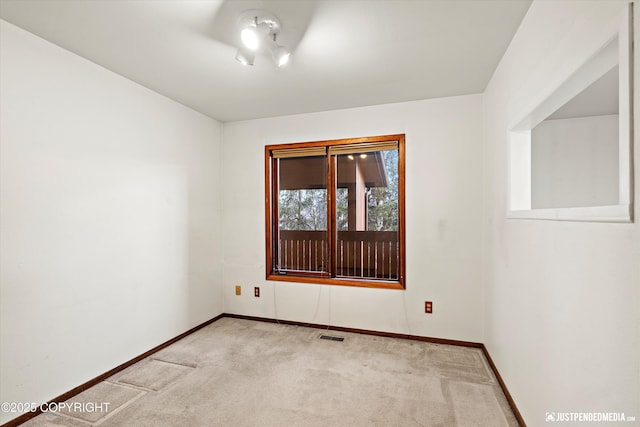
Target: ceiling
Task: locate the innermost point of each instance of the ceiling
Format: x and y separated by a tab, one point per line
346	53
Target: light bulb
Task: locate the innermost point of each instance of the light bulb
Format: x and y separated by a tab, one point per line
250	38
279	53
283	59
363	156
245	56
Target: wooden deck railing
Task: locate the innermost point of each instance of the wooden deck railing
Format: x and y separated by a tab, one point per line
361	254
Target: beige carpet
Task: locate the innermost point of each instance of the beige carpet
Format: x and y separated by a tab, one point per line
245	373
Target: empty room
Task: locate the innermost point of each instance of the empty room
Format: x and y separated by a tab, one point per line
319	213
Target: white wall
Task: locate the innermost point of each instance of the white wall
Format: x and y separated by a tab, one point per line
562	299
110	214
443	205
574	162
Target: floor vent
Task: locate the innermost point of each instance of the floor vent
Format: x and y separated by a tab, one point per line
331	338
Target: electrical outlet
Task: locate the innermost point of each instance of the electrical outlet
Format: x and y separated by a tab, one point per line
428	307
238	290
256	292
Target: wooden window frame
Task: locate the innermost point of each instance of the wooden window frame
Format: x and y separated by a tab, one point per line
271	212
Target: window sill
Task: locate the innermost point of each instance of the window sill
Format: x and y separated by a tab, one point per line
612	213
379	284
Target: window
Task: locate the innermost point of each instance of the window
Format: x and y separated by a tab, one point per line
335	212
570	156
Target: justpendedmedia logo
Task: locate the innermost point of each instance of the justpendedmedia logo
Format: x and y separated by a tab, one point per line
594	417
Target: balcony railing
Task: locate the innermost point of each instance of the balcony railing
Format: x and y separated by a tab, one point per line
360	254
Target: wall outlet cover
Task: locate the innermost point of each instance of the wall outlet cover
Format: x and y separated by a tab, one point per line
428	307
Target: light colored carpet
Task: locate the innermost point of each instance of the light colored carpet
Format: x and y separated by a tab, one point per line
245	373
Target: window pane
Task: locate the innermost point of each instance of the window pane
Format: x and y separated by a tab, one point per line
367	215
342	209
302	214
382	202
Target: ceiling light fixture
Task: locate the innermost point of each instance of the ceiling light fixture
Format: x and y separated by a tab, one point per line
258	32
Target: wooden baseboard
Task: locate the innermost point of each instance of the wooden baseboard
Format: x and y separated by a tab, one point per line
79	389
510	400
82	387
360	331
